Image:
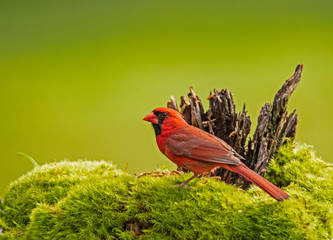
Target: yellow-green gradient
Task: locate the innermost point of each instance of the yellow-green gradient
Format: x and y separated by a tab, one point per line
77	77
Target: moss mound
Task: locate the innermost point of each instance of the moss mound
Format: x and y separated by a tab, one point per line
93	200
48	184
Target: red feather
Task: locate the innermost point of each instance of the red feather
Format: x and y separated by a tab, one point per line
201	152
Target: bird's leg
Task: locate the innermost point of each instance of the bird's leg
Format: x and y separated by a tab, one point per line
188	180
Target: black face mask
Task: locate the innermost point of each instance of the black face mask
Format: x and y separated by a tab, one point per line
158	127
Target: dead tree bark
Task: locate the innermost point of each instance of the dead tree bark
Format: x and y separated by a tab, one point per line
231	127
274	125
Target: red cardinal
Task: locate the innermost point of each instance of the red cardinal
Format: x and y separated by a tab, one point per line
199	151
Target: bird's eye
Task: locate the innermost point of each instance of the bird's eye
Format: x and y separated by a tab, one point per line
164	114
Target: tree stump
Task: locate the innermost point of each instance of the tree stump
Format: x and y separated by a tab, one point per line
274	127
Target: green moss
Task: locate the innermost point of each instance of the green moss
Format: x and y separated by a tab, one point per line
48	184
215	210
92	200
299	165
93	211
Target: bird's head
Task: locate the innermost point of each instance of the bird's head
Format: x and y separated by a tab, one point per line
164	119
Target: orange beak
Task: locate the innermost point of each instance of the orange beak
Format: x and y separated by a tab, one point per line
151	117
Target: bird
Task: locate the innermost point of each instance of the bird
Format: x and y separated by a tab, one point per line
201	152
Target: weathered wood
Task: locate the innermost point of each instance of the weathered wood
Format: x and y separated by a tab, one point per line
172	104
223	109
291	126
185	109
197	111
274	125
231	127
239	135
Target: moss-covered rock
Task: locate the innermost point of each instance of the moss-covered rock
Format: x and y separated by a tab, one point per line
93	200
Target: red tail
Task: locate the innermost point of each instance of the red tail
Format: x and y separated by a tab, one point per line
259	181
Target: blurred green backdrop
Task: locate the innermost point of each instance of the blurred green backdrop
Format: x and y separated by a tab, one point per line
77	77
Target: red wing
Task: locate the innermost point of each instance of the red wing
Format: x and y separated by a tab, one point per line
195	144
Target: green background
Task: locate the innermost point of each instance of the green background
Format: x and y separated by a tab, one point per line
77	77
